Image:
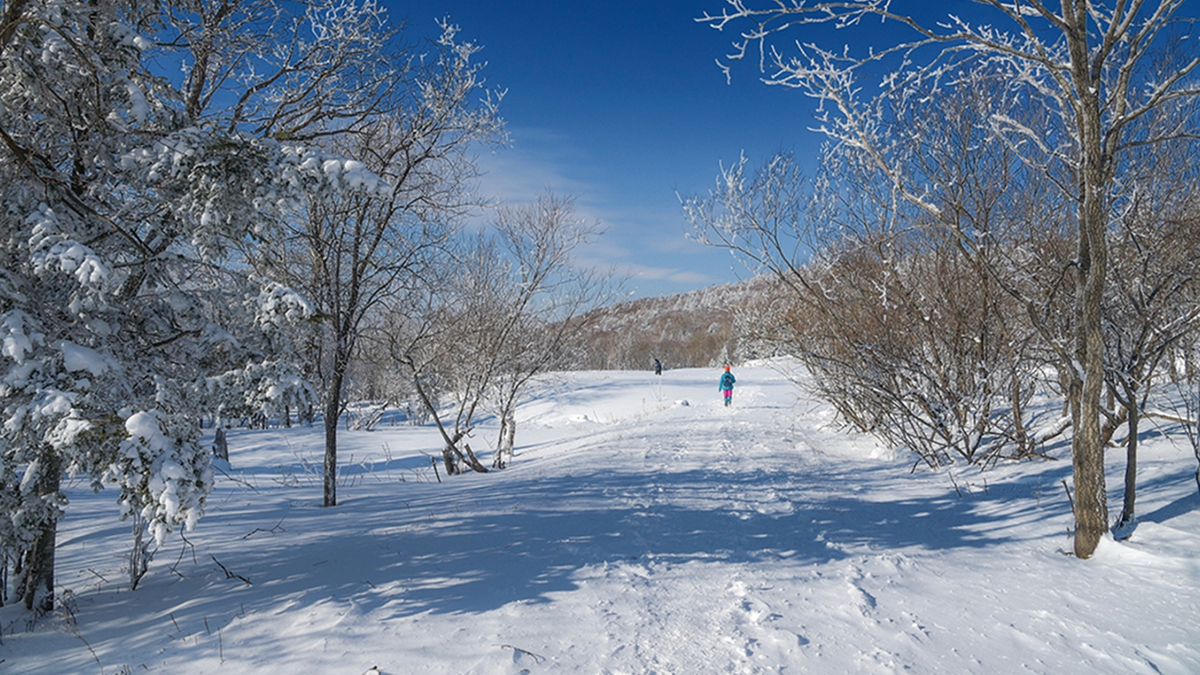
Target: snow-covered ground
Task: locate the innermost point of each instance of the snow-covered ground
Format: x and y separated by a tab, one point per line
642	528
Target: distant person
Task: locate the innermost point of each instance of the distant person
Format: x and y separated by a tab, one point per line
657	367
726	386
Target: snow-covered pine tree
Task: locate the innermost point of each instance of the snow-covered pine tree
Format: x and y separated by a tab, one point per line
121	324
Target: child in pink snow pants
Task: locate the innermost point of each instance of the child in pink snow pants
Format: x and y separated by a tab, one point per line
726	385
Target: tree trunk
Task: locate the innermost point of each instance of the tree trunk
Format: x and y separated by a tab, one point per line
36	580
37	584
1087	448
508	437
220	443
1095	182
472	460
510	434
1025	445
1131	447
333	405
1132	411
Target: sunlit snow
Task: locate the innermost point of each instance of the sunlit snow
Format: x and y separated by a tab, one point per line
634	534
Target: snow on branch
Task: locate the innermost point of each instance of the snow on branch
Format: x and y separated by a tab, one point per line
163	471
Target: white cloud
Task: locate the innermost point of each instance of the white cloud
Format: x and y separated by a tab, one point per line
535	161
645	243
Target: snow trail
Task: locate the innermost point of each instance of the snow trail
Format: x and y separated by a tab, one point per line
632	534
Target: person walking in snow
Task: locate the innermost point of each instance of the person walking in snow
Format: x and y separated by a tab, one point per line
657	367
726	386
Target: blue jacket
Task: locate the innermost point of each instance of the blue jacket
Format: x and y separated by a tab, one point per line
727	381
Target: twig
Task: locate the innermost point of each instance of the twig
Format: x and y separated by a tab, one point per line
1070	500
237	479
347	478
433	461
76	633
273	530
97	574
387	461
228	574
535	657
66	603
955	484
68	606
186	544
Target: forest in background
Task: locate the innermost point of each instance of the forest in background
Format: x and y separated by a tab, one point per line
689	330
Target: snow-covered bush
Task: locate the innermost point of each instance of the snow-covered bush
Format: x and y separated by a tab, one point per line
163	472
268	388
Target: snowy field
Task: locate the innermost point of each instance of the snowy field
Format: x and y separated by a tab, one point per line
633	534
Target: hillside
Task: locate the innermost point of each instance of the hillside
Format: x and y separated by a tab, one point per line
693	329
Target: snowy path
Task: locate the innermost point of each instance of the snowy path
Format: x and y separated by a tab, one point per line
635	535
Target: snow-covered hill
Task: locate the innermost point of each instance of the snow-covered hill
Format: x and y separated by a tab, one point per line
686	330
642	528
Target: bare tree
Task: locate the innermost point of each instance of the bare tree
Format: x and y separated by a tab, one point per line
1085	62
505	314
903	332
547	299
455	348
353	254
1153	303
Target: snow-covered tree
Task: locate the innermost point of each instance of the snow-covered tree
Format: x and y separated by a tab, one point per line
284	70
1087	66
504	311
545	299
120	323
353	254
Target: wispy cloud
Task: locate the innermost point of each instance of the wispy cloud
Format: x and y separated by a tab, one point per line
644	243
534	162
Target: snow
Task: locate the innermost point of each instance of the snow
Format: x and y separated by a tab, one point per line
77	357
16	343
51	402
144	425
633	534
139	109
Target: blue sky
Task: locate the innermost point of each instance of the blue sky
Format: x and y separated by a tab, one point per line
622	105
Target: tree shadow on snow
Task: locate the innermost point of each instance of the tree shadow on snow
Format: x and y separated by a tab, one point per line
479	543
1189	502
518	546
